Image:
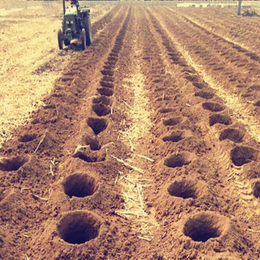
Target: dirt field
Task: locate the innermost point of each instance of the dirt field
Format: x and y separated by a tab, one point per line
143	146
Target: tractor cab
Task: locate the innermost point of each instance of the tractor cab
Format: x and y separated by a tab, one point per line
75	25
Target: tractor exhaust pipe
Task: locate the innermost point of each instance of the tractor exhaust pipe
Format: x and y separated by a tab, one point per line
64	8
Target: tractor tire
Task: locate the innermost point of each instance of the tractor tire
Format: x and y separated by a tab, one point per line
60	39
83	39
88	33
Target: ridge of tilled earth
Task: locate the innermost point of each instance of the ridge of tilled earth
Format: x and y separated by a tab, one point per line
225	22
58	174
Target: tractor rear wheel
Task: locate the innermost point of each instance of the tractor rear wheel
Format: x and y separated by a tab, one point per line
60	39
88	33
83	39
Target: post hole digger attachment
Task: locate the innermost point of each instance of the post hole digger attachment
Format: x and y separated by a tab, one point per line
76	24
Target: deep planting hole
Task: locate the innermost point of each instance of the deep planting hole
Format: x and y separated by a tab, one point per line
107	72
215	107
232	134
12	164
112	58
106	84
116	50
204	94
254	87
192	78
79	185
110	63
27	138
108	78
257	103
172	121
78	227
175	136
113	54
199	85
108	67
97	124
165	110
184	189
203	227
256	189
105	91
85	157
241	86
103	100
218	118
101	110
177	160
243	154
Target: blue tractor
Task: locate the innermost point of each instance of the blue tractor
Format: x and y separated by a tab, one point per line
76	24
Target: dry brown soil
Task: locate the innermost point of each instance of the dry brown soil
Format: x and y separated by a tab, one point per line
146	147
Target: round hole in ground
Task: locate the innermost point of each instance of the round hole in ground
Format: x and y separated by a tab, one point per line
105	91
199	85
119	45
107	72
257	103
97	124
108	78
112	58
113	54
165	110
116	50
243	154
241	86
177	160
232	134
27	138
106	84
175	136
204	94
256	189
192	78
159	89
110	67
12	164
172	121
254	87
78	227
184	189
110	63
157	80
103	100
204	226
218	118
79	185
212	106
101	110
